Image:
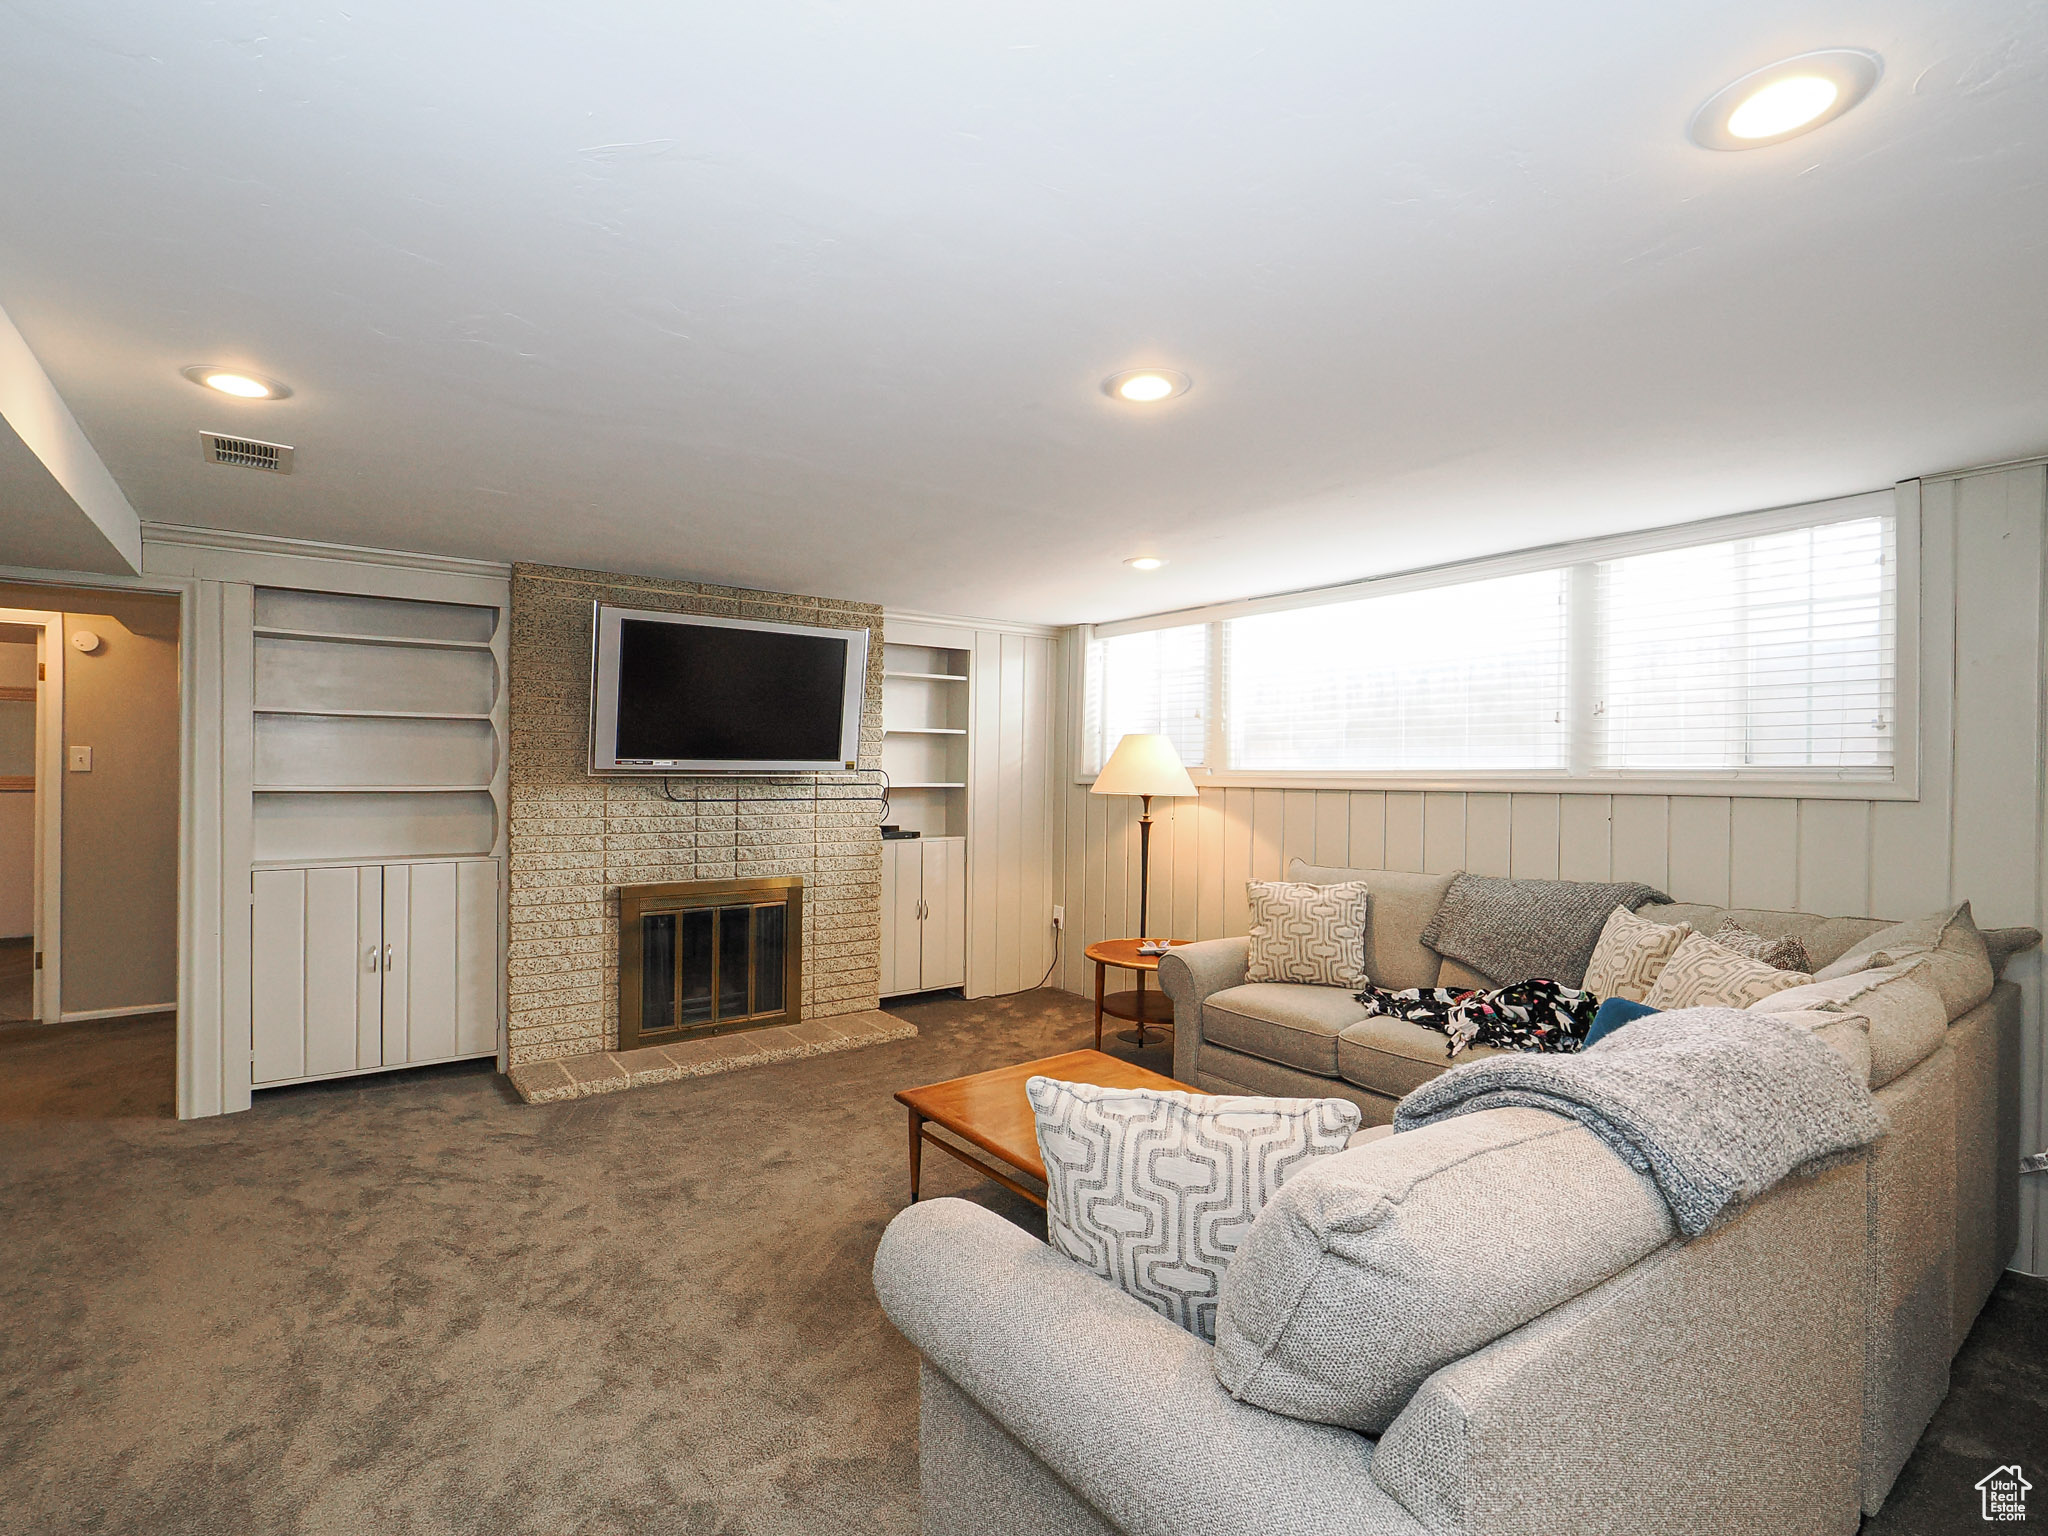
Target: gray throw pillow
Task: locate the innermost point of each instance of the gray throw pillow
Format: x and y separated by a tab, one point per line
1314	934
1155	1190
1371	1270
1402	905
1784	953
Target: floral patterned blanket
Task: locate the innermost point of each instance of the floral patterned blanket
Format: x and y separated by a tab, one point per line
1538	1015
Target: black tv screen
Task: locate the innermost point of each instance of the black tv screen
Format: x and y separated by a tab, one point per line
673	692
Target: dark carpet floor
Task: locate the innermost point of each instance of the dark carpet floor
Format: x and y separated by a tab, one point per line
409	1305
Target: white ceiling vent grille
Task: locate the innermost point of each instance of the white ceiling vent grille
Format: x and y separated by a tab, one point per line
245	453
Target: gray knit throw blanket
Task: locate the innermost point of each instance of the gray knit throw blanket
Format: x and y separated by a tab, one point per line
1516	930
1715	1104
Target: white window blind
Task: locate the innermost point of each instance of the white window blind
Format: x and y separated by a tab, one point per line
1464	677
1773	652
1764	647
1155	682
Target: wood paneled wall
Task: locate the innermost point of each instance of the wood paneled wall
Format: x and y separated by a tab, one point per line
1975	832
1017	749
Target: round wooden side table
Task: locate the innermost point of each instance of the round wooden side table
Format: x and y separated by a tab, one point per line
1143	1009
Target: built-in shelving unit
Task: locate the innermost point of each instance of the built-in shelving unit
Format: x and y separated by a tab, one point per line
376	783
377	729
924	737
925	721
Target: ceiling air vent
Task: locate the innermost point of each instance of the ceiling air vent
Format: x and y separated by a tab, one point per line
245	453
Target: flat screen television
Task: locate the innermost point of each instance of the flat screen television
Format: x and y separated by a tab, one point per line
681	693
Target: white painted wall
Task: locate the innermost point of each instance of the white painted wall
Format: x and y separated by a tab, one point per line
17	866
1975	832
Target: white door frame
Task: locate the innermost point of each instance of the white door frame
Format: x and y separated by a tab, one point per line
46	986
199	1089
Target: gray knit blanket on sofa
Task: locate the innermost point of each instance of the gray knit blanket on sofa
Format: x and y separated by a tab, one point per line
1517	930
1715	1104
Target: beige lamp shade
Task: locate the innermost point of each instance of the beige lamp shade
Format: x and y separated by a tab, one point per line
1143	765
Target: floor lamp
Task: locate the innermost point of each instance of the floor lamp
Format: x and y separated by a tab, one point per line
1145	766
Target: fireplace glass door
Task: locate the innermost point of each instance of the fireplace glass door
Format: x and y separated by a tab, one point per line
702	957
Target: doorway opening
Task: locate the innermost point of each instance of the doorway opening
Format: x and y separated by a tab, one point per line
30	813
90	745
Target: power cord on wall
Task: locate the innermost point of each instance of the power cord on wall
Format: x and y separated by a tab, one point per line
1059	933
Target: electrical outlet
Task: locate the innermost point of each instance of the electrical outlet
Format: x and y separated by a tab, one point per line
1059	917
80	760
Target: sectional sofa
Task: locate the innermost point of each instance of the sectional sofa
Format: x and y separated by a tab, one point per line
1770	1376
1943	1192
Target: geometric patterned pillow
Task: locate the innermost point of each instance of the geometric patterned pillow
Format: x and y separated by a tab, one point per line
1704	974
1154	1191
1785	953
1307	933
1630	954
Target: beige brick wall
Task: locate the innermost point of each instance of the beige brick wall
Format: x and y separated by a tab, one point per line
575	839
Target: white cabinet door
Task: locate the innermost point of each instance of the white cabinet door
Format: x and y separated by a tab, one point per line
942	958
370	968
902	934
397	960
889	879
428	940
441	932
277	975
476	956
335	968
315	969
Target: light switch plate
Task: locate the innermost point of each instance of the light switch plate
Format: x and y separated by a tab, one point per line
79	759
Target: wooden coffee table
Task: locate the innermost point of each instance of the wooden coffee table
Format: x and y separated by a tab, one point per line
989	1110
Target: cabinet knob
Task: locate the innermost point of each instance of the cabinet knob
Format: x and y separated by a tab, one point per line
387	957
371	957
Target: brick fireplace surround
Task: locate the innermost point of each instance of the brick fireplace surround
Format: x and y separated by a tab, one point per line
576	839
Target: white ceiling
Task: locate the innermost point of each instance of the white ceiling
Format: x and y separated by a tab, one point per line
818	296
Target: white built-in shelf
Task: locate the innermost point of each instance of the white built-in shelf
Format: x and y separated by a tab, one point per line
371	789
933	785
368	714
930	677
923	730
416	642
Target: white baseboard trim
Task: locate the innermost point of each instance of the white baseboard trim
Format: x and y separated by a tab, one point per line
88	1015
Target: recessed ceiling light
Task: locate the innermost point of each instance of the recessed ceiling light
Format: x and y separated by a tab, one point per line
1144	562
234	381
1144	386
1785	99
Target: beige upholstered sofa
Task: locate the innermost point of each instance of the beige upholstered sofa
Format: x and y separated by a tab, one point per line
1941	1189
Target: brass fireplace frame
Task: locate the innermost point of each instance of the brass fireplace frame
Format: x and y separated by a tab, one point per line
639	901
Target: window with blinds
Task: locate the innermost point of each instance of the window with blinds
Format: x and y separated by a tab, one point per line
1771	655
1154	682
1465	677
1775	652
